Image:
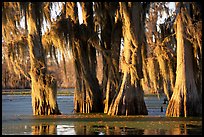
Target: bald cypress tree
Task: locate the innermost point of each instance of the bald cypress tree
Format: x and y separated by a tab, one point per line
129	100
43	84
186	100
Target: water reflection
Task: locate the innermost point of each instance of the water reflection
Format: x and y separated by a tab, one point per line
194	129
179	129
43	129
81	128
14	108
65	130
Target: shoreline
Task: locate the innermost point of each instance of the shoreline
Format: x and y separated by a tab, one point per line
93	117
61	91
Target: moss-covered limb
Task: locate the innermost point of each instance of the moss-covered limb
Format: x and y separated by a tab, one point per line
15	52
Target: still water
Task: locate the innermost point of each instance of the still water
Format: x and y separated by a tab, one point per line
17	119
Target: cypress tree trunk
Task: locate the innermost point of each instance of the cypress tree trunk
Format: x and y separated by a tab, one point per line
44	86
111	32
185	99
87	96
129	100
112	74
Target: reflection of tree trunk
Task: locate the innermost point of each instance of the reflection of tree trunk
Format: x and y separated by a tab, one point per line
185	100
185	129
83	129
80	129
44	86
117	130
130	98
44	130
107	130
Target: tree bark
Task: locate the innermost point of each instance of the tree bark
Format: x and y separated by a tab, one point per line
130	98
185	99
87	96
111	32
44	86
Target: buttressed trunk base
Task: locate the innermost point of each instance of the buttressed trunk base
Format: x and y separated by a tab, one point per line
44	96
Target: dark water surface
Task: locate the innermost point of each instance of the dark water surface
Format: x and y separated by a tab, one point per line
17	119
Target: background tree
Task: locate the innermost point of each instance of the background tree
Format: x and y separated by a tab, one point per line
108	23
161	57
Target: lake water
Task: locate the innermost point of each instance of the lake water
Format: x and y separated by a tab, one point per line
17	119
